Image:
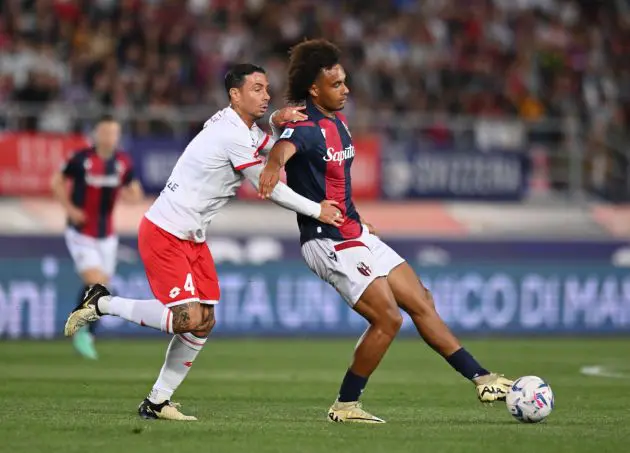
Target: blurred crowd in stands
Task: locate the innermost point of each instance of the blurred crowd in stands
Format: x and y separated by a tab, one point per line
156	60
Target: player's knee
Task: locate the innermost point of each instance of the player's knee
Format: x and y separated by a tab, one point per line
390	320
211	323
188	318
396	321
379	307
418	304
208	321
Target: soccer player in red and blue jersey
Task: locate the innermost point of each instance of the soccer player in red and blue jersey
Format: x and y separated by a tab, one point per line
373	279
97	176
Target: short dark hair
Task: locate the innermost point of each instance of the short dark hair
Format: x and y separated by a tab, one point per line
306	61
107	118
235	77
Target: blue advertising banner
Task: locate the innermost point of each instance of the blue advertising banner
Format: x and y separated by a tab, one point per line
447	174
287	299
154	160
262	249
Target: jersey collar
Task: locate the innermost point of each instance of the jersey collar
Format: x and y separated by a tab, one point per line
236	119
314	114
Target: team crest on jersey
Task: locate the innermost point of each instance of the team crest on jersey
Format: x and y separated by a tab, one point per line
364	269
287	133
120	167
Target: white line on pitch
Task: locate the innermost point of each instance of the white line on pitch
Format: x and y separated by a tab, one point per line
602	371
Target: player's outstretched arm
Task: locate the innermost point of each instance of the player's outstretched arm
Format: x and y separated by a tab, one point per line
282	195
278	157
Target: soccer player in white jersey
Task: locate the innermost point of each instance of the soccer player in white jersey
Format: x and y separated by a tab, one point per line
172	234
373	279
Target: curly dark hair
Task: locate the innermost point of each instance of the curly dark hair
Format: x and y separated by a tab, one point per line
306	60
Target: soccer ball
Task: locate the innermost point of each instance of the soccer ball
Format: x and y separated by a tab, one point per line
530	400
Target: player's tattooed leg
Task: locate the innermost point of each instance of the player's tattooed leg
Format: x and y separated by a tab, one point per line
187	317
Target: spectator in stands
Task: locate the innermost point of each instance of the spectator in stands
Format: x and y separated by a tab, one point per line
538	59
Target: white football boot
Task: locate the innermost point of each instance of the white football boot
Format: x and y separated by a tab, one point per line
351	412
492	387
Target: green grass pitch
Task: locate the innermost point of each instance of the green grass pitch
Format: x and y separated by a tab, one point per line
272	396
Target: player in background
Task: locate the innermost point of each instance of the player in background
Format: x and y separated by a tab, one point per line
172	235
97	175
373	279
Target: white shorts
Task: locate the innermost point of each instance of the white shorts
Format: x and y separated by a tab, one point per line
92	253
350	266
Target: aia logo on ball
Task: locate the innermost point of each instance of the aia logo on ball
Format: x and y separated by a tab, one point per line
364	269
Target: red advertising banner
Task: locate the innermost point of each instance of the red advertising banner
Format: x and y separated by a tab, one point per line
366	168
27	161
366	171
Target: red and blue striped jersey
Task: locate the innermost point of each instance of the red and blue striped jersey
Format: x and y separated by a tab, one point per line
320	170
96	182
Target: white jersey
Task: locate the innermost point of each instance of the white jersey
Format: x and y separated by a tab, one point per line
206	175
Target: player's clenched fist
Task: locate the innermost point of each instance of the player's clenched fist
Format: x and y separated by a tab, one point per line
330	213
269	177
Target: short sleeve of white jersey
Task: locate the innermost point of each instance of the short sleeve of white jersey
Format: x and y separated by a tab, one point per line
265	143
243	155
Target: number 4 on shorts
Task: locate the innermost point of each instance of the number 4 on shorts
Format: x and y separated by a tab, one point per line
188	286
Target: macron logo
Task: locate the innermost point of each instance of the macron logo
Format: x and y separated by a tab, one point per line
339	156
